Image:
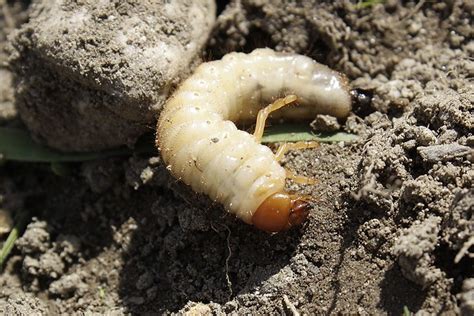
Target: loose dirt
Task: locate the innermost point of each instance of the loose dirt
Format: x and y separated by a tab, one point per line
391	230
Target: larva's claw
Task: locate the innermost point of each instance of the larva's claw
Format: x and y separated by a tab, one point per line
284	148
300	179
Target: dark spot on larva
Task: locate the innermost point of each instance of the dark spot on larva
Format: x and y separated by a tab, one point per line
208	122
215	140
197	108
196	165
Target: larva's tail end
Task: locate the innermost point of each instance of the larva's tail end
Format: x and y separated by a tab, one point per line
280	212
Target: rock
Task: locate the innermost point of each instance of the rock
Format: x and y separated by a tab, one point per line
325	123
445	152
92	75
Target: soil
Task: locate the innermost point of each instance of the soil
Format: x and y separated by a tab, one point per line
391	228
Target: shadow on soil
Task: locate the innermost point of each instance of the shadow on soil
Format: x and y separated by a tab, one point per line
397	293
181	253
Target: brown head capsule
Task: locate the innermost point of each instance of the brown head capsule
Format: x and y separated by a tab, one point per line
279	212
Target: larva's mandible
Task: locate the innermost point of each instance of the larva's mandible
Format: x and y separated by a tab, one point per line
202	146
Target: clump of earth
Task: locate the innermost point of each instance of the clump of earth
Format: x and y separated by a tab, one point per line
391	229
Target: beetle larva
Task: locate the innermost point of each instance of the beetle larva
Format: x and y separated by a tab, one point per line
203	147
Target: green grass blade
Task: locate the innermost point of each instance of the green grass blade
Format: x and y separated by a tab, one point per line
20	224
302	132
16	144
406	311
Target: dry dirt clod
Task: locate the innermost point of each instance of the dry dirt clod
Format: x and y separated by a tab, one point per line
68	285
414	251
466	297
93	75
325	123
437	153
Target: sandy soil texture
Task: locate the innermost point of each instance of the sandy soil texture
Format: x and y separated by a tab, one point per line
392	227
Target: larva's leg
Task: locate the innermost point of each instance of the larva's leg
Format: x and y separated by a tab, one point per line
263	114
299	179
302	197
283	149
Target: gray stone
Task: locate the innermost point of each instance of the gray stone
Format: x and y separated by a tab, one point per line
443	152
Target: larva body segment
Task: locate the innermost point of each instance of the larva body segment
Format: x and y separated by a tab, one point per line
202	146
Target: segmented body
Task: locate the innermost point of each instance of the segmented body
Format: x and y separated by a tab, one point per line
202	146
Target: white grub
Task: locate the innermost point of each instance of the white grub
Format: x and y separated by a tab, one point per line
202	146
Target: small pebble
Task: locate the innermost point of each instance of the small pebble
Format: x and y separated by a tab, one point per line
443	152
6	222
325	123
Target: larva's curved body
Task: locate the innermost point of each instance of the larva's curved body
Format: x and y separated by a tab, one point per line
202	146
